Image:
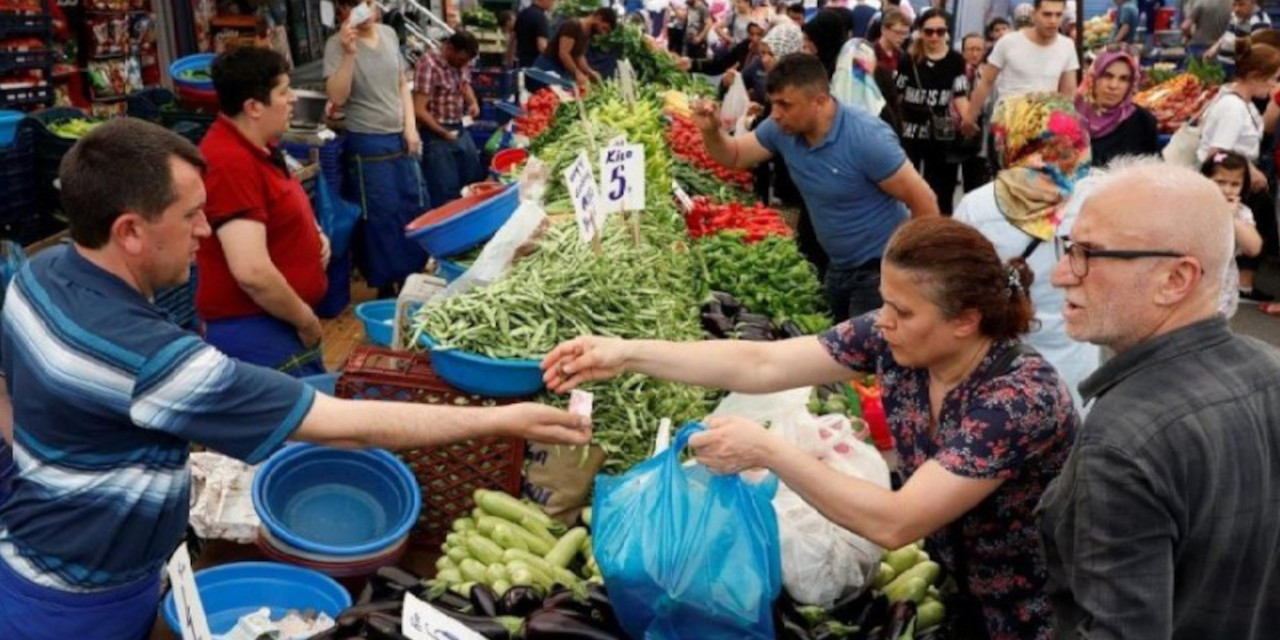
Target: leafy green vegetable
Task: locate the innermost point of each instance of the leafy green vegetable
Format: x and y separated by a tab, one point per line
479	18
769	276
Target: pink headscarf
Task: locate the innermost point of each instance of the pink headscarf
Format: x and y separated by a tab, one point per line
1098	121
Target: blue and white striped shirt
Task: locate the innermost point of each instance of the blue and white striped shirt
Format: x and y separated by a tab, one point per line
107	393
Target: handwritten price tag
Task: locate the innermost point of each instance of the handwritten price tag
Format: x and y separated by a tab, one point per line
421	621
622	175
582	189
682	197
191	616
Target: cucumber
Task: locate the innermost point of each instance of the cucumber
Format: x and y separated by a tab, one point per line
930	614
884	576
509	508
462	525
449	576
484	549
586	516
567	547
496	572
445	562
928	571
472	570
505	535
902	559
540	578
500	587
458	554
912	589
535	528
522	577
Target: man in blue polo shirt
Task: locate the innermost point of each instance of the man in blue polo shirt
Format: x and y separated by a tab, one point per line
107	393
848	166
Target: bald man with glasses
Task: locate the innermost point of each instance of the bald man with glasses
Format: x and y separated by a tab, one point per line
1165	522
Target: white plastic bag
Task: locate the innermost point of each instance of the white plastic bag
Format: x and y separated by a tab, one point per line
735	105
854	81
221	498
524	226
820	559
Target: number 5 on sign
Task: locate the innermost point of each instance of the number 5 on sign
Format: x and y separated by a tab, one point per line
582	189
622	173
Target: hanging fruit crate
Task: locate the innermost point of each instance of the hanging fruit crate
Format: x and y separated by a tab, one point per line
450	474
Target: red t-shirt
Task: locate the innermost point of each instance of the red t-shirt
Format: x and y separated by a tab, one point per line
247	182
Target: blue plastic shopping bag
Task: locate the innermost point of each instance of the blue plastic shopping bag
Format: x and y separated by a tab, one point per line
687	554
336	216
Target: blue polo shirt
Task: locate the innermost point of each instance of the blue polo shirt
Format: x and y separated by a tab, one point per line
839	181
107	393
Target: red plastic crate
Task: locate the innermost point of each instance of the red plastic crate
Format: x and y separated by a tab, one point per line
448	475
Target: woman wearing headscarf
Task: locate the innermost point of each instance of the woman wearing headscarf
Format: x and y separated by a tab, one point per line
772	178
1115	124
1043	152
824	35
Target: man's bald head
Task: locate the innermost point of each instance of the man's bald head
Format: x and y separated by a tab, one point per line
1150	207
1170	206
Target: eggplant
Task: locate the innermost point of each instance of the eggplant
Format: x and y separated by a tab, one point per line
490	628
521	601
483	601
598	598
790	329
366	594
716	325
901	614
452	601
874	614
552	624
713	307
729	304
792	630
380	626
352	618
758	319
849	609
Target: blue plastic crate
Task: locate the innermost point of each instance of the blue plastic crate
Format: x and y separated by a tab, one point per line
10	122
481	131
493	83
330	157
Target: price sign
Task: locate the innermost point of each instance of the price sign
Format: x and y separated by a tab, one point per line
421	621
582	189
191	617
622	178
682	197
627	74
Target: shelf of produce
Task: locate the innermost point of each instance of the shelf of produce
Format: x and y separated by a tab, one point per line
18	60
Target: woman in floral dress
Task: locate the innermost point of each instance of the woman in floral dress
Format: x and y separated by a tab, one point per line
981	424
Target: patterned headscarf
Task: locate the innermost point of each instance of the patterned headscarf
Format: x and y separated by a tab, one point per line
784	38
1043	151
1099	121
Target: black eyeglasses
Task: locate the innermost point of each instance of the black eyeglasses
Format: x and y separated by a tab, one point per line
934	32
1079	255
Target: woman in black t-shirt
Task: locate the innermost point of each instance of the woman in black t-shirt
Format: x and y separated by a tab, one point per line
931	77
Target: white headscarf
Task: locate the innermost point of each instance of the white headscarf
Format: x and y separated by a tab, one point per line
784	38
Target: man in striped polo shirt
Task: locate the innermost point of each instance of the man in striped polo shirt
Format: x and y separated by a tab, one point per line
107	393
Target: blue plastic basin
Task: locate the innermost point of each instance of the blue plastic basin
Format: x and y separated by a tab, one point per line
336	503
491	377
449	270
468	228
378	317
326	383
233	591
9	122
199	61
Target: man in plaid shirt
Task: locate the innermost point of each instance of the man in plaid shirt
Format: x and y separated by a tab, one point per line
442	98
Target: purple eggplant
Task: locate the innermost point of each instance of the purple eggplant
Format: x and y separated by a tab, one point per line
483	602
555	624
520	601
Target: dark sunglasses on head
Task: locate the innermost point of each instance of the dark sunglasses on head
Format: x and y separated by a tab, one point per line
934	32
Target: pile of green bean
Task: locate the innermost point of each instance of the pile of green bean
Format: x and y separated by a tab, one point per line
564	290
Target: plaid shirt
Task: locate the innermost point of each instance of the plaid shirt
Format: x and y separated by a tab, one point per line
1165	520
442	84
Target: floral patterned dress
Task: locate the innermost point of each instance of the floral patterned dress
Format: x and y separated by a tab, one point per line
1017	426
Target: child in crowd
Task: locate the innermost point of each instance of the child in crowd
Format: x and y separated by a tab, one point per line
1230	171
